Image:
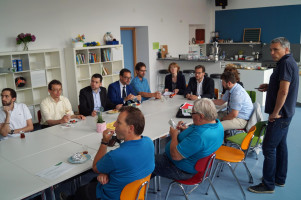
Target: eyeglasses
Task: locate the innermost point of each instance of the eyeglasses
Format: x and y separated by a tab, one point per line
192	113
128	78
142	70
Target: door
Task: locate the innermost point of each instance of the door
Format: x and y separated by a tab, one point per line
128	40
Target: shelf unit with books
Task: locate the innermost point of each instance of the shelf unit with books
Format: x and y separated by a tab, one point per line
83	62
39	67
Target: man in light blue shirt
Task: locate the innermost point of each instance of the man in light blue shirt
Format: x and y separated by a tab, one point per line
239	108
140	84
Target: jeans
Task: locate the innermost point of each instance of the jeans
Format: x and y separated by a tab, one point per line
275	152
166	168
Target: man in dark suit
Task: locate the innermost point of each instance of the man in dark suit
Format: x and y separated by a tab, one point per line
200	86
120	92
92	97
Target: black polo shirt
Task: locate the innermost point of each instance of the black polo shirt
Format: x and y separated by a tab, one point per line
287	70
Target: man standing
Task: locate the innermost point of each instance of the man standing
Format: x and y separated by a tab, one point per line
140	84
239	107
133	160
56	109
14	117
120	92
197	141
200	86
93	97
282	92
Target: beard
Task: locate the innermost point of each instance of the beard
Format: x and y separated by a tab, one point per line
6	103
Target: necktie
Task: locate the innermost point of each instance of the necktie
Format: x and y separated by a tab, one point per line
123	92
228	105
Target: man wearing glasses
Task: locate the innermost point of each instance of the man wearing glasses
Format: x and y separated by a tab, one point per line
200	86
120	92
140	84
56	109
189	144
93	97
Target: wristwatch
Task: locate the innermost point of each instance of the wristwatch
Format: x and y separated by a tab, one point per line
105	143
12	131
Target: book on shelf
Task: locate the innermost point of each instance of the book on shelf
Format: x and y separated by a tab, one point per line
106	71
105	55
93	58
80	58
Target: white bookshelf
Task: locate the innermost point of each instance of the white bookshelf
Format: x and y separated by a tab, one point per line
79	71
39	68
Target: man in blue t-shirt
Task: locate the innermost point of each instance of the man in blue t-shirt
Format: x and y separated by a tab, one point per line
133	160
282	92
197	141
140	84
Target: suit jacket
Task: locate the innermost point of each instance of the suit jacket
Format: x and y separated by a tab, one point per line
86	101
114	92
181	83
208	87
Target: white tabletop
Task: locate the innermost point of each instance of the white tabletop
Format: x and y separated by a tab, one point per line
17	183
21	159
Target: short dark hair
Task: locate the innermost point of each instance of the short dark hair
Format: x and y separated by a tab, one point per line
123	71
97	76
229	77
139	65
54	82
200	67
134	117
12	92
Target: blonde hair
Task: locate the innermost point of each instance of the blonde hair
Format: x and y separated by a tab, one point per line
173	64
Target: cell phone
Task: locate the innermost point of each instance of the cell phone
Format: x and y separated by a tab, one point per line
172	124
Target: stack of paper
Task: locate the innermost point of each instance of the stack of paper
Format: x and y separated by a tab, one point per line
186	109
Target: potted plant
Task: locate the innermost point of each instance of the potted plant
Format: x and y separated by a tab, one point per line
101	124
240	53
25	39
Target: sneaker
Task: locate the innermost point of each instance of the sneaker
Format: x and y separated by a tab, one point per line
260	188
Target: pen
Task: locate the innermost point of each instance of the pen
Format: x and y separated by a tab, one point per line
58	163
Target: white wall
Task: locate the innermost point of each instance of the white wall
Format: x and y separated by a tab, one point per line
55	22
241	4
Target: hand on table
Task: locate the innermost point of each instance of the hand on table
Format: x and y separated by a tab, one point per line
176	91
157	95
94	113
65	119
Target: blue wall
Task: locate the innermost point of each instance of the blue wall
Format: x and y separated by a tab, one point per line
273	21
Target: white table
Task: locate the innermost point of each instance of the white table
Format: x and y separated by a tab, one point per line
21	159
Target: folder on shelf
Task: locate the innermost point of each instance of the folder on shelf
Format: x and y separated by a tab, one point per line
116	54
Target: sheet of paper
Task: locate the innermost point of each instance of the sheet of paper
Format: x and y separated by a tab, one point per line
155	45
55	171
167	93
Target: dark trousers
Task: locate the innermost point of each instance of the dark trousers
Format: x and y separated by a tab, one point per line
164	167
275	152
86	192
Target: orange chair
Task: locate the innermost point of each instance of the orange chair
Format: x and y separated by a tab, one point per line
216	93
136	190
229	155
204	168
